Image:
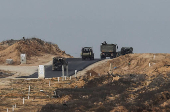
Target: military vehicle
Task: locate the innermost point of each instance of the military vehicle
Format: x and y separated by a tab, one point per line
126	50
108	50
87	53
58	62
118	53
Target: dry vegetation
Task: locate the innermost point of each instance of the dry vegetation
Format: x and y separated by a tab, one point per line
102	93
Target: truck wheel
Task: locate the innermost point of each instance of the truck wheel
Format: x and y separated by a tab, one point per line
52	68
103	57
92	58
111	57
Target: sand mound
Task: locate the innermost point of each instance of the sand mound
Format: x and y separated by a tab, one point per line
137	64
33	47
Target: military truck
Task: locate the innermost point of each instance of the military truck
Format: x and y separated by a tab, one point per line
87	53
108	50
58	62
126	50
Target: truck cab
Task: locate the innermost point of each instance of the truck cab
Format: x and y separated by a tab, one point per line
126	50
108	50
58	62
87	53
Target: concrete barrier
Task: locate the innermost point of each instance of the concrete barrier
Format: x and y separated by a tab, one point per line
9	61
23	59
41	72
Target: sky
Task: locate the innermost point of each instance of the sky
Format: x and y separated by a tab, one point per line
73	24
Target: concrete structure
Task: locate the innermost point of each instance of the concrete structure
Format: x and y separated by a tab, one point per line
41	72
23	59
9	61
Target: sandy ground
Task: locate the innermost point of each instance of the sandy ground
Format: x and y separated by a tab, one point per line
127	64
91	67
24	69
129	67
28	69
147	63
38	52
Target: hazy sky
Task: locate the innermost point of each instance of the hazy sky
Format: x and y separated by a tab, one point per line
73	24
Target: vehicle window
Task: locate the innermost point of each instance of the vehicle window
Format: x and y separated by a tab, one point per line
85	50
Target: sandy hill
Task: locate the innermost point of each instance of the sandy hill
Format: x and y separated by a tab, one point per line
137	64
34	48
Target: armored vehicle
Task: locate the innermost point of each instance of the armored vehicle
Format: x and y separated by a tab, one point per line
126	50
108	50
87	53
58	62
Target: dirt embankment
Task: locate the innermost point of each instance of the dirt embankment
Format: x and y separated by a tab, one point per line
150	64
107	93
35	49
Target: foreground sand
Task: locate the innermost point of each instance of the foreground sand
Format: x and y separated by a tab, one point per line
129	84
